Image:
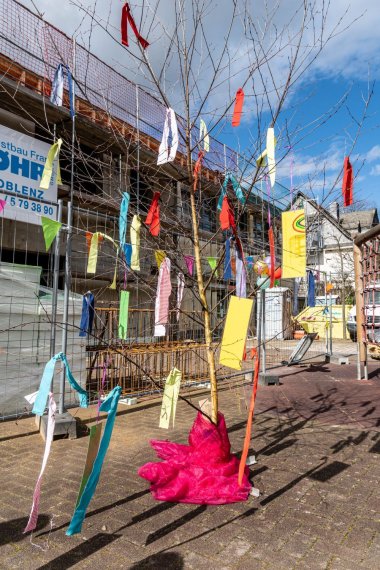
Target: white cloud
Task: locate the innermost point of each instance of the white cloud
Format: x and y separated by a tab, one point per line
375	170
373	154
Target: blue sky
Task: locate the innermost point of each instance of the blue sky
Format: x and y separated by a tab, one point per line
349	65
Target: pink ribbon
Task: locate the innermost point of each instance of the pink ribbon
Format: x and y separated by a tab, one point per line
32	522
189	260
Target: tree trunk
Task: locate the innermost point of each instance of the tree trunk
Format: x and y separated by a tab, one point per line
206	311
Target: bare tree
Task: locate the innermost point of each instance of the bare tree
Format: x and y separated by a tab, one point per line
266	50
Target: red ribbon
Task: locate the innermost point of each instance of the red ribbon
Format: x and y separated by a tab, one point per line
238	108
348	182
197	168
272	257
226	216
248	429
153	217
126	17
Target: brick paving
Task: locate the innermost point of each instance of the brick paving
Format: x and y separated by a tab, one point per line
317	442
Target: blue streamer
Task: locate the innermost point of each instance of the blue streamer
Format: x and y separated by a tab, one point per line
236	187
123	218
88	313
45	385
128	253
108	405
227	274
310	289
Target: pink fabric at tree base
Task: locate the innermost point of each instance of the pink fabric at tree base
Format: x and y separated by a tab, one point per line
203	472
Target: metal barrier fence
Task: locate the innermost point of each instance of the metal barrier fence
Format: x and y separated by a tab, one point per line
26	293
367	293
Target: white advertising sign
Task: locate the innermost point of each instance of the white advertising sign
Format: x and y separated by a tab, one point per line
22	160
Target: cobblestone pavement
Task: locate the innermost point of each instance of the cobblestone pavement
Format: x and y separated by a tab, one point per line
317	442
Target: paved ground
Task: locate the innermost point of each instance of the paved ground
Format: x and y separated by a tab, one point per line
317	441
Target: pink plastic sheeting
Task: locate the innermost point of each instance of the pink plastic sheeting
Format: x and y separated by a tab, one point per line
204	472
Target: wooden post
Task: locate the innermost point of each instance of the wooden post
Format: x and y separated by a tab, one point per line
359	300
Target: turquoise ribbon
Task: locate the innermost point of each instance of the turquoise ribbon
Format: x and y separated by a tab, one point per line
123	218
108	405
45	385
235	185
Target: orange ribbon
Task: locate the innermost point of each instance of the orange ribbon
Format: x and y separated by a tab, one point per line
238	108
248	429
197	168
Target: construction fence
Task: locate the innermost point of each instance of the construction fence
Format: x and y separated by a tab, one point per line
367	290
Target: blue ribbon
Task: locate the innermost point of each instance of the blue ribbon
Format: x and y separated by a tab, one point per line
310	289
45	385
123	218
236	187
227	274
88	313
128	253
108	405
250	260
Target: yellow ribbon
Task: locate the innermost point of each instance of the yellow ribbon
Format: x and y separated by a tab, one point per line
135	242
160	255
48	168
260	162
93	255
170	397
235	332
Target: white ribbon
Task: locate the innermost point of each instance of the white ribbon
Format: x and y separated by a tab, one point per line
164	155
180	289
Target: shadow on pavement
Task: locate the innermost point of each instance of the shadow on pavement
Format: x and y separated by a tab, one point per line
169	560
160	533
101	510
12	531
79	553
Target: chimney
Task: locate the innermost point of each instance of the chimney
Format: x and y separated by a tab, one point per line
334	210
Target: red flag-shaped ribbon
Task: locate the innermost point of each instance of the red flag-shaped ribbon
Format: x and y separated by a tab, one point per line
153	217
348	182
238	108
197	168
248	429
272	256
126	17
226	216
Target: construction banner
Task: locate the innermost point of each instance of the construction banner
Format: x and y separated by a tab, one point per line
293	244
